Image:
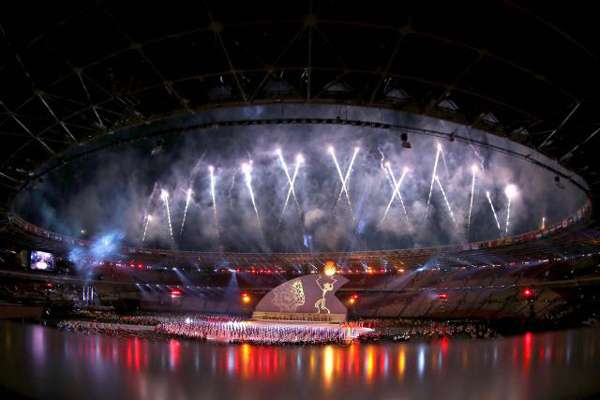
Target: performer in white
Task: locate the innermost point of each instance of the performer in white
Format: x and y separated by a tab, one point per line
321	304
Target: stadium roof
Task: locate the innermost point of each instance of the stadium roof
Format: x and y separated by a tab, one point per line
73	72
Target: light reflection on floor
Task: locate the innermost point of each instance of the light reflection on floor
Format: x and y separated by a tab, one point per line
35	358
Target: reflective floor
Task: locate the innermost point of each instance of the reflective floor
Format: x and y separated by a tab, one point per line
41	362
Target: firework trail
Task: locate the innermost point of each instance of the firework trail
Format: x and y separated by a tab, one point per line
445	199
487	194
185	210
165	197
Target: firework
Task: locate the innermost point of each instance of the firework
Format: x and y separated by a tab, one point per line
164	195
395	190
510	191
433	174
185	210
148	219
474	170
247	170
487	194
437	179
292	181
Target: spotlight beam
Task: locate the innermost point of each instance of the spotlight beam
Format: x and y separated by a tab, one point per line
487	194
445	198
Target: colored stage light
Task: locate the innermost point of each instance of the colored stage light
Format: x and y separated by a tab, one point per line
246	298
528	293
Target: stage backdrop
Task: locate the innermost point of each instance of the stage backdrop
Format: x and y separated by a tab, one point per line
307	298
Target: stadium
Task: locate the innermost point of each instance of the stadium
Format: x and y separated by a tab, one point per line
260	192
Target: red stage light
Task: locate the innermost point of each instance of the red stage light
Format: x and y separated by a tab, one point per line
443	296
527	293
176	293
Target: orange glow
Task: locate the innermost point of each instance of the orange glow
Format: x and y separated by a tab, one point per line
328	365
401	362
246	298
329	268
370	363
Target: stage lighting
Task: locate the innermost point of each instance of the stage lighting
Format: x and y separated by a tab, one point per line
528	293
246	299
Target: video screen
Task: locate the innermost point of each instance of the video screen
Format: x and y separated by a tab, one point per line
40	260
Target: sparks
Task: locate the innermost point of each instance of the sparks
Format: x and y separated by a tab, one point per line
395	191
433	174
247	170
292	181
487	194
345	179
148	219
165	197
510	191
211	171
185	210
474	169
445	198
